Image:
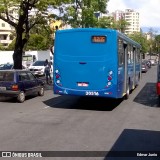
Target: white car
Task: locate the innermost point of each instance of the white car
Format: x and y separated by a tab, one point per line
37	68
153	62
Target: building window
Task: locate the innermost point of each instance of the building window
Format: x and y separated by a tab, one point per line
3	24
4	37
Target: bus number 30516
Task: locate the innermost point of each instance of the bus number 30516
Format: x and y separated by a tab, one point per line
89	93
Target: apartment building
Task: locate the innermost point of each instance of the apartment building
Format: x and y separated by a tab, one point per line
7	30
5	33
118	15
132	17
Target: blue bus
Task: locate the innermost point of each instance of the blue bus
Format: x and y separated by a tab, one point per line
95	62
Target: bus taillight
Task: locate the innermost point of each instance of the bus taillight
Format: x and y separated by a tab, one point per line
109	79
58	77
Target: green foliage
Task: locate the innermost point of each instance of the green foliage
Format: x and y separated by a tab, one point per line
105	22
82	13
122	25
12	45
38	42
1	47
156	44
141	39
30	13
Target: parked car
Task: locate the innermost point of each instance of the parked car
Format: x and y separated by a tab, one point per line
8	66
37	68
144	67
148	62
19	84
153	62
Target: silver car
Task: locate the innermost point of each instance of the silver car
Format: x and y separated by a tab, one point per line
153	62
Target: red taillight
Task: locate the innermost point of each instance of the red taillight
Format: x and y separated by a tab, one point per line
158	88
57	76
15	87
109	78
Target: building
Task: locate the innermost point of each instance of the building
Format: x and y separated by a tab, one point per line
118	15
5	33
132	17
6	30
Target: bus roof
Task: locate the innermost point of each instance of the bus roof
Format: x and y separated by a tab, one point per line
123	36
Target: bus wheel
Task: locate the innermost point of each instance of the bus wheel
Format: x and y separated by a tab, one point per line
127	93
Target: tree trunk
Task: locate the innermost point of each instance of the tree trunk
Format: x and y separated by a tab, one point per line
17	58
18	51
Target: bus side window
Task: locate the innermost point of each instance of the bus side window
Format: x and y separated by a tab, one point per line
138	55
120	52
130	54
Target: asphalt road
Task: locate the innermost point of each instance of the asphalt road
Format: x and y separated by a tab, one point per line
69	123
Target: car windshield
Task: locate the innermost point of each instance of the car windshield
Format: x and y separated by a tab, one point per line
38	63
6	76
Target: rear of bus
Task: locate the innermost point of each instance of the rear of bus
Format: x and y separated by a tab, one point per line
85	62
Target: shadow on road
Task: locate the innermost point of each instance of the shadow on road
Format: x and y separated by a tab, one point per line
84	103
131	142
147	96
14	100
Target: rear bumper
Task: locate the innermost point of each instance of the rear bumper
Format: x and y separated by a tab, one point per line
94	93
9	93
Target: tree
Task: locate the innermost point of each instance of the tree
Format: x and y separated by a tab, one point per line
106	22
109	22
81	13
122	25
30	13
37	42
40	38
1	47
157	43
141	39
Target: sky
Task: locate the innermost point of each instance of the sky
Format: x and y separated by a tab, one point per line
149	10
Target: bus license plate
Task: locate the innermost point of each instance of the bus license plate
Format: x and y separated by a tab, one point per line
82	84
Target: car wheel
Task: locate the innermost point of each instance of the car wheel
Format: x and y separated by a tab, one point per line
21	97
41	91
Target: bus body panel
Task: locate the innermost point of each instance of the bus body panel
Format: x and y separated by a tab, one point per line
86	68
83	65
